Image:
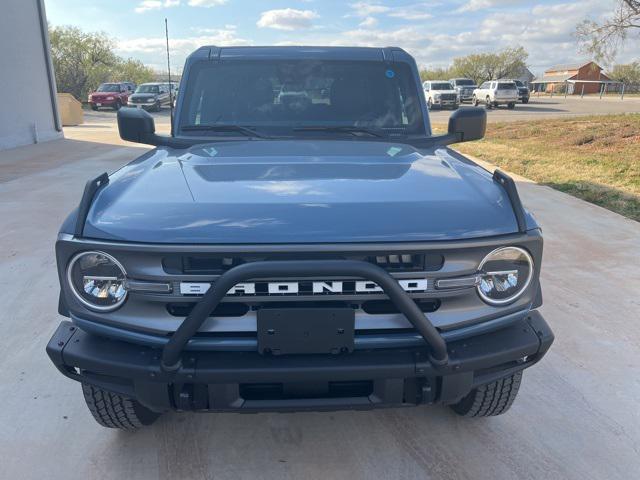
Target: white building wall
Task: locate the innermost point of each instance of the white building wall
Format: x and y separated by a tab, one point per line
28	111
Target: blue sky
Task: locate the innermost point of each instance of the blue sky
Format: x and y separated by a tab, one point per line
433	31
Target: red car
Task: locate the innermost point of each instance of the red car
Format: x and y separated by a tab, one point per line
112	95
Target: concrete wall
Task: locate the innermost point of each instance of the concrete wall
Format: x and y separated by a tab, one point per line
28	113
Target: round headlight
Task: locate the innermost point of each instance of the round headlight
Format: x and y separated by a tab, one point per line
97	280
504	275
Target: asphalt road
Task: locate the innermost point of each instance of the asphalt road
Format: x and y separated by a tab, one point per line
576	417
538	108
556	107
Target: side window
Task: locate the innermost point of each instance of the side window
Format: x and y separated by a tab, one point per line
427	86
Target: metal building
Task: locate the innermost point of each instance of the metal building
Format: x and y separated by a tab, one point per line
29	111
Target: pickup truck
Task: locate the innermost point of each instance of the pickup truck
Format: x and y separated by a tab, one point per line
270	255
464	87
440	94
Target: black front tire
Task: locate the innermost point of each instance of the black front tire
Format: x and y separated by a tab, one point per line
511	105
94	108
525	100
489	400
117	105
475	101
115	411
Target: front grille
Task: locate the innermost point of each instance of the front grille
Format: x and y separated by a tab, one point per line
448	96
239	309
217	264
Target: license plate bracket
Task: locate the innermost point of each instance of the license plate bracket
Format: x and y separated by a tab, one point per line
305	330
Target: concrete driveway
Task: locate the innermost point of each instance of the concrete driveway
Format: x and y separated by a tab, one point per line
577	415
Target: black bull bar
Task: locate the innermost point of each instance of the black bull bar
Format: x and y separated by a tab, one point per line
172	351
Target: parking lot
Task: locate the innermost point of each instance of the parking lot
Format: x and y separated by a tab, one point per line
556	107
581	397
538	108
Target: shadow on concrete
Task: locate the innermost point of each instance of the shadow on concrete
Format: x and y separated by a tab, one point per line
35	159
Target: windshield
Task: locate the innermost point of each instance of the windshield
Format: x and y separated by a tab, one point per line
284	96
441	86
109	87
464	82
147	89
506	86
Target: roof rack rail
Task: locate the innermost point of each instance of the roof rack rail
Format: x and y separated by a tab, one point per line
90	190
512	192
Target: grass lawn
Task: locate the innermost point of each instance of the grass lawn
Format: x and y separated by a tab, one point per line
593	158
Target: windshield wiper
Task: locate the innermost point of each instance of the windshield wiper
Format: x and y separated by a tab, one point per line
340	128
249	132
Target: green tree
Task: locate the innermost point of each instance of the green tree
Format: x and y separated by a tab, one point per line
132	70
491	66
84	60
435	74
628	74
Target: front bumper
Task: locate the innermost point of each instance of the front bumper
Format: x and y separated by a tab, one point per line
248	381
142	105
103	103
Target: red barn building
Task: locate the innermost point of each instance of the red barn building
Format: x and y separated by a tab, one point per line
559	77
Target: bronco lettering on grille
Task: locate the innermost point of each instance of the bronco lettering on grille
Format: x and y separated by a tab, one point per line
416	285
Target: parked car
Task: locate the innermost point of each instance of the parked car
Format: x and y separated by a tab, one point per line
267	257
495	93
523	91
130	86
111	95
464	87
440	94
151	96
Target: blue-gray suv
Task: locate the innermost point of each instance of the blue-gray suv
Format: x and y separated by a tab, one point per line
315	250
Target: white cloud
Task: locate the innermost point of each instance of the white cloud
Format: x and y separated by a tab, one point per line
206	3
418	11
181	46
368	22
366	9
474	5
155	5
287	19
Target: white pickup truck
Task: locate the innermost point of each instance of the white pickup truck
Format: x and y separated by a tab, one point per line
494	93
440	93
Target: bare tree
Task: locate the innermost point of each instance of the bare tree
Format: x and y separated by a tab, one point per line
602	40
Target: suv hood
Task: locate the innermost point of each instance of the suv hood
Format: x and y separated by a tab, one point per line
309	191
443	91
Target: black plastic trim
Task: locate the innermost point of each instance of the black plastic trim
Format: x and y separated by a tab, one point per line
512	192
136	371
304	268
90	189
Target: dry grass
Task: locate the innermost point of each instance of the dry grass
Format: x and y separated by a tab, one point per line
594	158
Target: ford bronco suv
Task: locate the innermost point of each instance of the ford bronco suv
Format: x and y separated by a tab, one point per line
330	253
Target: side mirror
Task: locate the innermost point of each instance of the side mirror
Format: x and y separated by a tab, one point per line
136	125
467	124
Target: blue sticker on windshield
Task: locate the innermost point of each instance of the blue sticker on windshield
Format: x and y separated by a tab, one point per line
390	73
